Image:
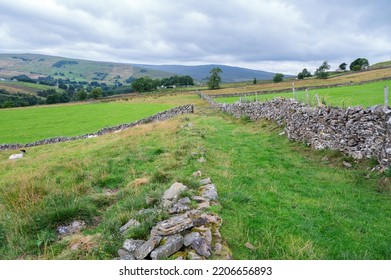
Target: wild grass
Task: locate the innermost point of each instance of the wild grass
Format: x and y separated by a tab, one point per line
366	95
277	195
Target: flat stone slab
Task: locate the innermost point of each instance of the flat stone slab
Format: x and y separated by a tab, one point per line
174	225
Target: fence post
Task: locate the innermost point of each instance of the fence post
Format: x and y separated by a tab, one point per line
308	97
317	99
294	91
386	95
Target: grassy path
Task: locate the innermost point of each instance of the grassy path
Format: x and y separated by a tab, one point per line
277	195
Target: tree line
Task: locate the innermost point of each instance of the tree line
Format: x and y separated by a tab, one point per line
145	84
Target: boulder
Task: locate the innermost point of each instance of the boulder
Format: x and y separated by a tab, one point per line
174	225
209	191
147	247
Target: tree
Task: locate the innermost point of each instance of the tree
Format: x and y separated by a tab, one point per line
304	74
358	64
214	78
343	66
255	81
278	77
81	94
321	72
96	93
145	84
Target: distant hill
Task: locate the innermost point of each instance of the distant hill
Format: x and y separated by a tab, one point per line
201	72
36	65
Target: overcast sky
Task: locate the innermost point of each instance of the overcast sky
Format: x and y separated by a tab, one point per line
273	35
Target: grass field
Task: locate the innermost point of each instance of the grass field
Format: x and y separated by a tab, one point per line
366	95
278	195
351	77
24	125
23	87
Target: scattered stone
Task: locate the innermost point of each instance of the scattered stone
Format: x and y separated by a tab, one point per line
325	158
130	224
174	191
205	181
197	174
74	227
209	191
347	164
172	244
201	160
281	133
188	235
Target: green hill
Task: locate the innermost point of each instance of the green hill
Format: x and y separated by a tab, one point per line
35	65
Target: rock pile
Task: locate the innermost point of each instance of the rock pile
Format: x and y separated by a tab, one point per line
356	131
189	233
186	109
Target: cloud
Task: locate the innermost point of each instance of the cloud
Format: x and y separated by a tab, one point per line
272	34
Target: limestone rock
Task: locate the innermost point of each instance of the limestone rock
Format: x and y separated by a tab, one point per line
197	174
131	245
172	244
209	191
174	191
147	247
178	208
74	227
201	247
125	254
184	201
190	237
192	255
203	205
205	181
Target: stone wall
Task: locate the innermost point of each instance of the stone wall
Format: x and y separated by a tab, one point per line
186	109
355	131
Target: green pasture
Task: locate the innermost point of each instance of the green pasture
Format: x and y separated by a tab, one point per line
365	95
285	199
24	125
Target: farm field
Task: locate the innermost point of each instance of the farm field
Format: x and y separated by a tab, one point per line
365	95
278	195
24	125
350	77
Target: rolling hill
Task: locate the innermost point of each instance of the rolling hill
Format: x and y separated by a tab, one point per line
201	72
36	65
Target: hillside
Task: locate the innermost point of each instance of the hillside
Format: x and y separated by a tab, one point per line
201	72
34	66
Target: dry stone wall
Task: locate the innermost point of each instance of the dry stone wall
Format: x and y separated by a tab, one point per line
356	131
186	109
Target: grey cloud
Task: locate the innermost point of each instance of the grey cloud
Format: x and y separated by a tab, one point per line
237	31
